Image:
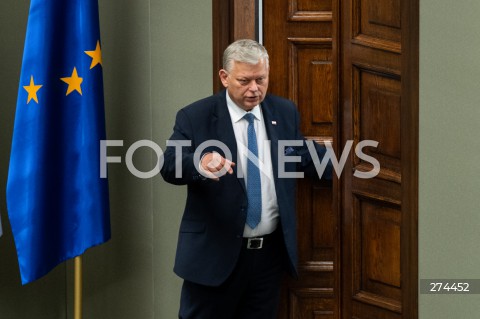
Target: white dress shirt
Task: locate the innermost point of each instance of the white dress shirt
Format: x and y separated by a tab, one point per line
269	219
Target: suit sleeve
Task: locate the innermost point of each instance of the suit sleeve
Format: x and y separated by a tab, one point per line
181	170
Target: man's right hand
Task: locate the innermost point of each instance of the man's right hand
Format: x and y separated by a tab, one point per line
214	166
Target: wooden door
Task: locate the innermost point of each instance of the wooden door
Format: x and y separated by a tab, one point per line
351	66
380	102
301	37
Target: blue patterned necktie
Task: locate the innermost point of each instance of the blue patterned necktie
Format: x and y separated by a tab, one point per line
254	192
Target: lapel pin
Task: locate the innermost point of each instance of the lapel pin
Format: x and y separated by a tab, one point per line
274	122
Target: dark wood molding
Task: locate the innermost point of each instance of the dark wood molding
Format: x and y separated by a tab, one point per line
244	15
410	137
231	20
222	35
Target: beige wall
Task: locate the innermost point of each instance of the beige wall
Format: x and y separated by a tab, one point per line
157	58
449	199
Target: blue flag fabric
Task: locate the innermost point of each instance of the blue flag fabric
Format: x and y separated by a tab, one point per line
57	203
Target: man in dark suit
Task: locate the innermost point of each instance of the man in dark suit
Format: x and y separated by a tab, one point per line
238	231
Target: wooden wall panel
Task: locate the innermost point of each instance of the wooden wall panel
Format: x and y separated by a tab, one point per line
308	5
387	14
322	92
311	6
323	224
377	111
311	303
307	10
377	246
377	25
312	83
316	221
381	111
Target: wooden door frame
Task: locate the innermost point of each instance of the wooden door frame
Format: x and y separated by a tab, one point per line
234	19
231	20
409	136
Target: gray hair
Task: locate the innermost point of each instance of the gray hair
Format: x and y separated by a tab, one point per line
246	51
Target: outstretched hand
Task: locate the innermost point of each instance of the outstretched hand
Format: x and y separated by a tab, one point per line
215	166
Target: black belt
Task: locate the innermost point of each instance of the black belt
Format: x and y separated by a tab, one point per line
260	242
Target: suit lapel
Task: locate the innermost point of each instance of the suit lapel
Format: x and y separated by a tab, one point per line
269	117
224	129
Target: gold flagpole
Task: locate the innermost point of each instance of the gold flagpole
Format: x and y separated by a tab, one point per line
77	301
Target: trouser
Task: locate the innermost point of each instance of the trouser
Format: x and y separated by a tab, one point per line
251	292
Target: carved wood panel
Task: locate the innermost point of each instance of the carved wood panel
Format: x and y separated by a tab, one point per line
378	260
300	36
376	99
307	10
377	24
312	83
377	252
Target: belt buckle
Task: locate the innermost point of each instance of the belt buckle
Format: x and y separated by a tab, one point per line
255	243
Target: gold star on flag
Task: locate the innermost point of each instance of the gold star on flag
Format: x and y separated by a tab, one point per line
73	82
95	55
32	90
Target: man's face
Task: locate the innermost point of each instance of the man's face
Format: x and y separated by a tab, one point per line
246	83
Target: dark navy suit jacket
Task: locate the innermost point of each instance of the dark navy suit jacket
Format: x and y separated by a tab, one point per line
213	221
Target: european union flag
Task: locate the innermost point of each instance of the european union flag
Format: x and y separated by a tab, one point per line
57	202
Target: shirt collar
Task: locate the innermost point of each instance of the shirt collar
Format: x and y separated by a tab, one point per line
237	113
